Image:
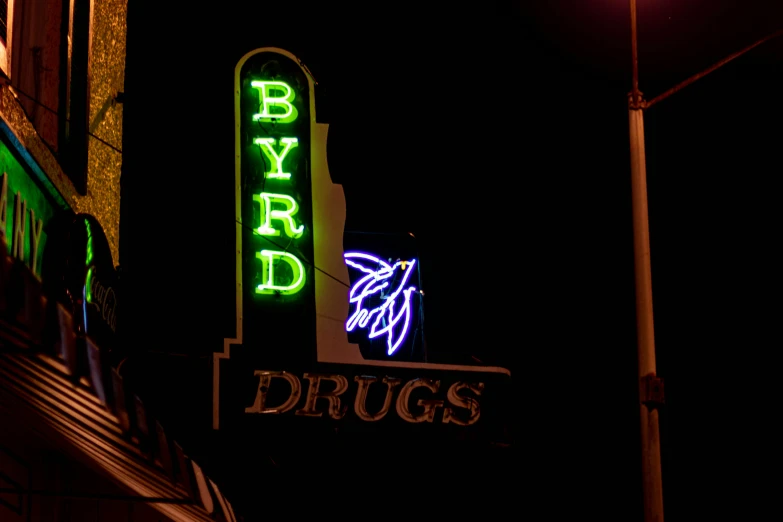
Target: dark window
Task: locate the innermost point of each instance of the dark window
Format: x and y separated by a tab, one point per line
35	64
75	91
51	71
4	20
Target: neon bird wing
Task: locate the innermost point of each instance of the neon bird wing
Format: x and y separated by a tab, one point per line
394	335
390	299
358	291
387	312
403	315
353	259
395	311
363	287
393	340
367	286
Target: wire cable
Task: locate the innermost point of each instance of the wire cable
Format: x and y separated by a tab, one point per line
16	90
307	261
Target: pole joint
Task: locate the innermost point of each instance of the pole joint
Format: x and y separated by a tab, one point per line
636	101
652	391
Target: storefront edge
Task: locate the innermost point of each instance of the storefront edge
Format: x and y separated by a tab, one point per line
40	391
56	382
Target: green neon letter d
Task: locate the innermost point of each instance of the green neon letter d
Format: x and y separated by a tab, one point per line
269	260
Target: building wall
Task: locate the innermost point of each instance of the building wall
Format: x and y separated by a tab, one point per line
107	80
30	101
57	486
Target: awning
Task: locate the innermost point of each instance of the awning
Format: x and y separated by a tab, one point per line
40	390
32	388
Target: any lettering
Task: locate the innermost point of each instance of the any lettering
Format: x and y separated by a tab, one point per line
266	200
360	403
20	222
35	240
468	403
266	144
270	258
429	406
264	382
275	108
4	204
332	397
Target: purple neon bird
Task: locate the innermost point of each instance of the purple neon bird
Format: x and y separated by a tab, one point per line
392	317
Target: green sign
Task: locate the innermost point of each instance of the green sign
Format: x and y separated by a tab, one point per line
24	211
274	141
275	210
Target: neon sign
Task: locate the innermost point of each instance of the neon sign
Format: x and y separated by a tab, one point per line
311	293
25	210
282	272
385	286
276	158
275	108
271	258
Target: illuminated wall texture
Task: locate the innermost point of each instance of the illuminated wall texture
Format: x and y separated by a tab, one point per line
107	77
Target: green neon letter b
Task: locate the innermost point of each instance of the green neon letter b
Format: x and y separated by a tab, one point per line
275	101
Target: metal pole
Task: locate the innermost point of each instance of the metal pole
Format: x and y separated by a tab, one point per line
710	69
635	95
650	433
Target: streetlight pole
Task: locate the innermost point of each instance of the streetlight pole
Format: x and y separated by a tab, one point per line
650	386
645	339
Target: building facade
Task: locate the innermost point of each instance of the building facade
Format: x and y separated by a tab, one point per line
76	439
244	266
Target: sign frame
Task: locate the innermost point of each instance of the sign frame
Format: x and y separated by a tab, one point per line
330	271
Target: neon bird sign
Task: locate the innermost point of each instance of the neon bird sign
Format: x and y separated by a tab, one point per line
376	285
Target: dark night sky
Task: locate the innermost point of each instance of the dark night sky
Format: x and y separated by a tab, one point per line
712	150
541	91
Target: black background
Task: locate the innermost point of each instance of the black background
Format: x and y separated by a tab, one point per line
541	90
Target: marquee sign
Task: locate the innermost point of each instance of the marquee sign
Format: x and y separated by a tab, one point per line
327	325
24	211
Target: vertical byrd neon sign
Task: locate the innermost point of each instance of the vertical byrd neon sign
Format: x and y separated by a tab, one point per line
272	109
276	107
274	129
